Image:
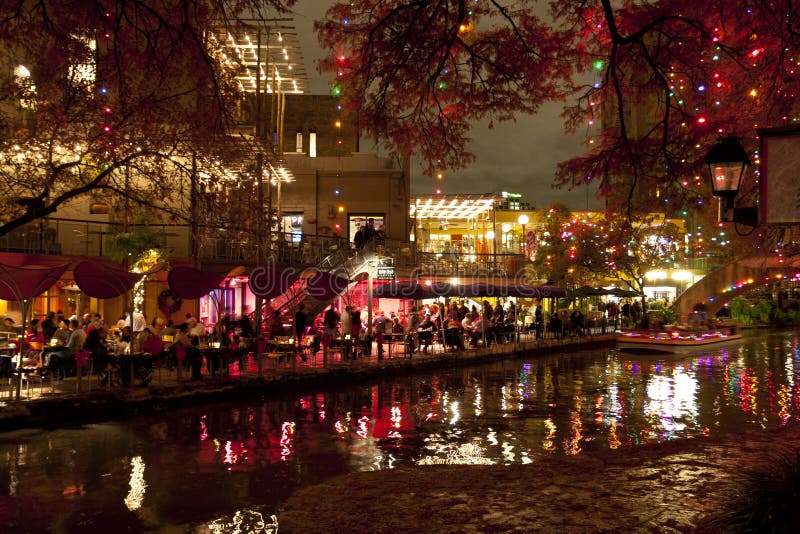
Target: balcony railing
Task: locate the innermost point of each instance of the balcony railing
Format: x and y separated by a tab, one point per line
83	238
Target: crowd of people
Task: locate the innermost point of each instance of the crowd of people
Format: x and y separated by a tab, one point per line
60	343
456	325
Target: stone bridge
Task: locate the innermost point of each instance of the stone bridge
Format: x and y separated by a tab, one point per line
722	285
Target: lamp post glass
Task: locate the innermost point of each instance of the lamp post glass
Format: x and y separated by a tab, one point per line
727	162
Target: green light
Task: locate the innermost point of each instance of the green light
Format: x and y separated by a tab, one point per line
598	65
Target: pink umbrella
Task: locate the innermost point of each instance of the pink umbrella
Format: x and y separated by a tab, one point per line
23	284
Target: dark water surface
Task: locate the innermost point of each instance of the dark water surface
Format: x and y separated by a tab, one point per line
232	463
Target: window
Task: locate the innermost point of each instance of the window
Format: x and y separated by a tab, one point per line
292	227
356	221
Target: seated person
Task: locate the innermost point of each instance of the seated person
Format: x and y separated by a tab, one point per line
425	332
453	335
98	351
151	343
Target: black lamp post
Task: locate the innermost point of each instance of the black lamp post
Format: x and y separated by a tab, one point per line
727	162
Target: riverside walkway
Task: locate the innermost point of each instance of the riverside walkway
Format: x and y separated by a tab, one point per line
48	403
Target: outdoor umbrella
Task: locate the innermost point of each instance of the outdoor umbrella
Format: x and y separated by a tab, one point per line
619	292
22	284
405	289
269	281
190	283
325	286
102	280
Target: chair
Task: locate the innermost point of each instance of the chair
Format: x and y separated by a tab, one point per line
82	360
311	347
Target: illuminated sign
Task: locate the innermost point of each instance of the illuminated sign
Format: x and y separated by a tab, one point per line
386	272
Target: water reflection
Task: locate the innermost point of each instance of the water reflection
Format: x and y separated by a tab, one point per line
231	463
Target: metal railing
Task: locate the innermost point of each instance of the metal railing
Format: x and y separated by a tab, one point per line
90	238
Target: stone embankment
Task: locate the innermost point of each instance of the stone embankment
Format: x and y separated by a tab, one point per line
66	408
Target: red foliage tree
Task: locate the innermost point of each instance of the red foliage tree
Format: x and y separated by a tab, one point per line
654	84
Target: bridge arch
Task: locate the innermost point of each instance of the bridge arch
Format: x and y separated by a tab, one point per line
720	286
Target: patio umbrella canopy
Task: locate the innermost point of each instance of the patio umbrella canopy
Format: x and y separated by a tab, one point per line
589	291
103	281
190	283
325	286
519	290
24	283
410	289
268	282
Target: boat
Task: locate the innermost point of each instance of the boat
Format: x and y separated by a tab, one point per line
674	339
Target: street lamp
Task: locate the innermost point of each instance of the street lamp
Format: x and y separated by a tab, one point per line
505	228
727	162
523	220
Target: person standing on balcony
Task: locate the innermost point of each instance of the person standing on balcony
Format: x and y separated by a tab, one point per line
358	239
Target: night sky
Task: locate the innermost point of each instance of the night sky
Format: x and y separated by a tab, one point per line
516	156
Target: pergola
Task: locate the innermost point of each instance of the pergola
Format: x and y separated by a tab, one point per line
452	207
266	54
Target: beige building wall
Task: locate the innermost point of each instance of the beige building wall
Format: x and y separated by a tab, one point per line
366	185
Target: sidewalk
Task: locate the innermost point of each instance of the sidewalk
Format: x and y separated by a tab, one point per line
58	401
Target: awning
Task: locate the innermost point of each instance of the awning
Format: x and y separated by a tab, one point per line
103	281
269	282
589	291
190	283
404	290
24	283
519	290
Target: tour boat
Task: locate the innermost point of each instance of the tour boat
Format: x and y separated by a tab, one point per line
674	339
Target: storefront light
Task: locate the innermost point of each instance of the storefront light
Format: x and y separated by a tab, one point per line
655	275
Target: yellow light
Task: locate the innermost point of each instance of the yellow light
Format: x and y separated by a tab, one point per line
439	176
753	93
341	209
338	124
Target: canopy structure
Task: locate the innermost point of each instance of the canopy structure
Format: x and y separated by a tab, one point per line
325	286
411	289
190	283
103	281
589	291
519	290
269	281
24	283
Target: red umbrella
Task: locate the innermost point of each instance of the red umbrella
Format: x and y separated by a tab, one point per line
103	280
24	283
269	281
190	283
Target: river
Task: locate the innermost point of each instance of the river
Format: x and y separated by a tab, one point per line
209	466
